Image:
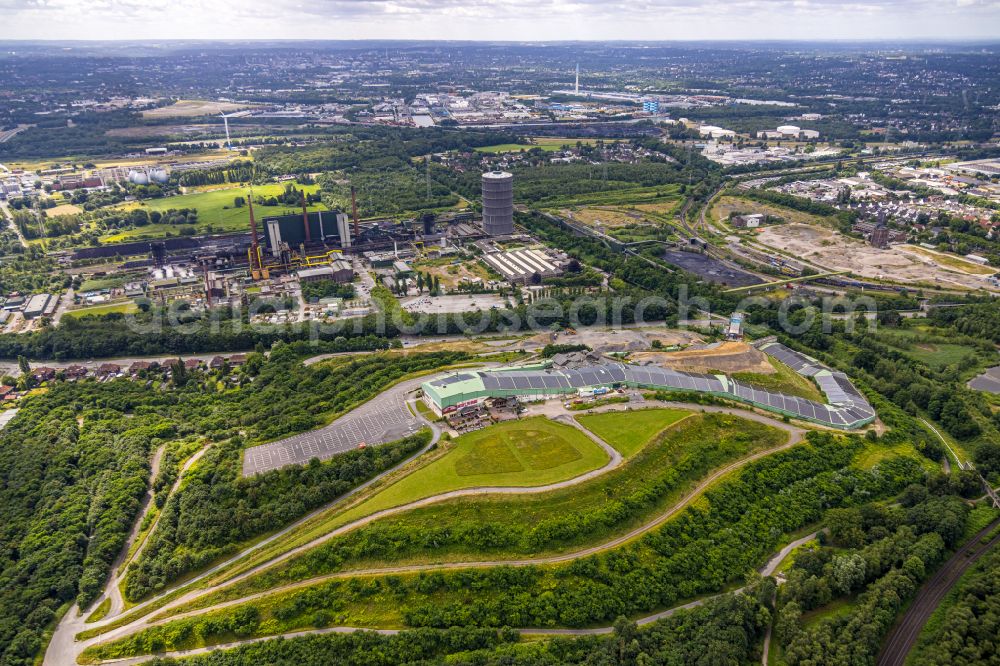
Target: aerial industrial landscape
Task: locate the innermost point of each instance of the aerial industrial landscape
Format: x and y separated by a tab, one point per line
499	353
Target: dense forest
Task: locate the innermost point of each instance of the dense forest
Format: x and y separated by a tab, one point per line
218	508
722	631
877	557
74	465
73	469
981	320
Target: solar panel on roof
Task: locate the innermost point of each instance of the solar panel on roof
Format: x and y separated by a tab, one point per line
837	386
450	379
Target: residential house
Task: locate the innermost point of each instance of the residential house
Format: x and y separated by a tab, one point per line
108	371
43	374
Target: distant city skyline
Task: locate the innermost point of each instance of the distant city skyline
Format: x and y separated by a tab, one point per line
513	20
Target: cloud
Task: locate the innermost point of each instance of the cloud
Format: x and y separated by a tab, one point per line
499	19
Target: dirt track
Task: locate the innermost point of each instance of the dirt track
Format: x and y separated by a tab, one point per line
67	648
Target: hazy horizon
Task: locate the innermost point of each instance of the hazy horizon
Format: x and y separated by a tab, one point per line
506	20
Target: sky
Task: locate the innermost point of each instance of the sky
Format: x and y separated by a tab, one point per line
515	20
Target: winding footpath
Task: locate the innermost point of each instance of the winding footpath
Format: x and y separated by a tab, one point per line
121	568
118	566
767	570
64	649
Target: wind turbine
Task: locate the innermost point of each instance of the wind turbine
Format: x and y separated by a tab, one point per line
225	120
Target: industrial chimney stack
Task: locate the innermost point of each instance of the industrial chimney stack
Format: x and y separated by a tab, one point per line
305	216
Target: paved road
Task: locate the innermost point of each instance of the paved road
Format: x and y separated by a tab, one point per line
62	641
6	416
384	418
10	221
944	441
904	634
114	588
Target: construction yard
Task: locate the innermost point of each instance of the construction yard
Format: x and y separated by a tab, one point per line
620	340
725	357
827	249
452	272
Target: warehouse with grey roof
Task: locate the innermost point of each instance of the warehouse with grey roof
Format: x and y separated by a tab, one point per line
846	408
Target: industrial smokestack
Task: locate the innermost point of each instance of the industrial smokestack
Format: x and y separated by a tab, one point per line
254	255
305	216
354	208
208	286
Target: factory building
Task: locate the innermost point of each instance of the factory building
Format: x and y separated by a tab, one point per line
498	203
880	236
338	271
788	132
36	306
735	330
846	407
520	266
290	232
747	221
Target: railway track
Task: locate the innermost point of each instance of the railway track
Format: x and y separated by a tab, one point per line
904	634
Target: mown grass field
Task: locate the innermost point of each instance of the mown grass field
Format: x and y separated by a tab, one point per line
664	197
528	452
876	452
189	108
100	612
63	209
548	144
216	211
361	601
951	261
670	465
923	344
630	431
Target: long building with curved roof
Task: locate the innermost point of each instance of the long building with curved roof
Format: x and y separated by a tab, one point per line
846	408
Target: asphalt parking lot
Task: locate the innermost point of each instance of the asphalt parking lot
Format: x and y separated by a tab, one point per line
385	418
